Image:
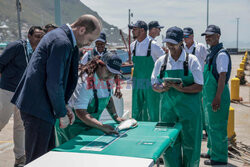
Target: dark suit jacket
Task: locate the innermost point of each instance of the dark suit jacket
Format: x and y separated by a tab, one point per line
50	77
13	62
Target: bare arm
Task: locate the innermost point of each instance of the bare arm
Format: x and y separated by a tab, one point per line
112	111
194	88
221	85
84	116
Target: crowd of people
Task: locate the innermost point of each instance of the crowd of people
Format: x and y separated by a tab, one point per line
55	93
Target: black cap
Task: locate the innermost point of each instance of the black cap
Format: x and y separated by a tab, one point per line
139	24
211	29
188	31
102	37
174	35
113	62
154	24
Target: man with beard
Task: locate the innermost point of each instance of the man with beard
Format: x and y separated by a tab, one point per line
145	102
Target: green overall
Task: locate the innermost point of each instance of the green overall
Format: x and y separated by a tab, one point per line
63	135
145	101
217	121
184	108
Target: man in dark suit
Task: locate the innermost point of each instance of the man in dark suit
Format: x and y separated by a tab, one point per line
49	81
13	62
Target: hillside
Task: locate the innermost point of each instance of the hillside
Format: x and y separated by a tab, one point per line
41	12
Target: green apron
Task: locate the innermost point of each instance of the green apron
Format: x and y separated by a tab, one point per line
145	101
217	121
63	135
184	108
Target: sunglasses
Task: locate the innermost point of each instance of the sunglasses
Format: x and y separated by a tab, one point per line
186	36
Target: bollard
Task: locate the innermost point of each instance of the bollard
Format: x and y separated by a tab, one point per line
235	89
230	124
132	72
240	73
242	65
244	62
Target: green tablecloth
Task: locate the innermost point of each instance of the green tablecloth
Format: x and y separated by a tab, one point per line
144	141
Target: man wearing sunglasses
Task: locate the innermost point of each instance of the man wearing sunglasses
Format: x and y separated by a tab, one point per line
216	97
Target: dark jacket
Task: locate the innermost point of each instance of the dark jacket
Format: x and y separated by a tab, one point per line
12	65
50	77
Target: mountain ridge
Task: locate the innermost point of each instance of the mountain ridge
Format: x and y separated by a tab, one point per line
36	12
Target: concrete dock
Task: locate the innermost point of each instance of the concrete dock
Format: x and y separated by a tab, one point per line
242	123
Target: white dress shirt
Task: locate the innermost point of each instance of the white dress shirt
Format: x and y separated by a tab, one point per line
200	52
193	65
142	49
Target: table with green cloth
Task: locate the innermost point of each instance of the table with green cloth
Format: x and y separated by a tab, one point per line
143	142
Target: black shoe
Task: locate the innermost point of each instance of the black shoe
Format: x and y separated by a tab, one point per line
211	162
205	155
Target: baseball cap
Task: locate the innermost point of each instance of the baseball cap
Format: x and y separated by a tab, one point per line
102	37
139	24
174	35
188	31
154	24
211	29
113	62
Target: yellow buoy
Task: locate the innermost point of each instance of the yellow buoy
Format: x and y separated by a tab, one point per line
230	124
235	89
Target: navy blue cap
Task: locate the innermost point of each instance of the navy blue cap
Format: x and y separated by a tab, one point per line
188	31
102	37
211	29
113	62
174	35
154	24
139	24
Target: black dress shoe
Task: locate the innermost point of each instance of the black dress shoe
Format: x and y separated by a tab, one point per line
205	155
211	162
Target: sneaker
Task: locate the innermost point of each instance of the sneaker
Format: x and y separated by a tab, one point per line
20	162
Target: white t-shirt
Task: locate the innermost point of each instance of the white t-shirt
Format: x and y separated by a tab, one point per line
222	62
83	96
193	65
84	59
142	49
200	52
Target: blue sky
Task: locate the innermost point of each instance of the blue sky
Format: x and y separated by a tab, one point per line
181	13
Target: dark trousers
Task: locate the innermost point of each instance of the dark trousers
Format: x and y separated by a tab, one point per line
39	136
